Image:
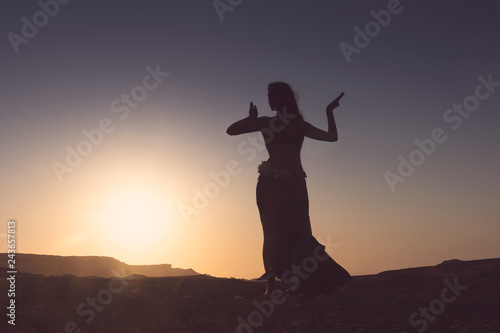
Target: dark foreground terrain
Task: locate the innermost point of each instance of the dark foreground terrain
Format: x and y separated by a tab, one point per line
455	296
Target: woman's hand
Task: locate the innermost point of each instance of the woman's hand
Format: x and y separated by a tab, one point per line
335	103
253	111
252	123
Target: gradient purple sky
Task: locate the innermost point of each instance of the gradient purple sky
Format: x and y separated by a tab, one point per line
124	198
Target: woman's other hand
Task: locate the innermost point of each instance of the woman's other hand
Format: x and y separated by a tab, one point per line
335	103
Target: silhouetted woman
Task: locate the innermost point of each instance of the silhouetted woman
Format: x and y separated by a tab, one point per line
290	251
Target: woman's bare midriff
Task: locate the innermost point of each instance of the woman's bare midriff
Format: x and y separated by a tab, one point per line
285	157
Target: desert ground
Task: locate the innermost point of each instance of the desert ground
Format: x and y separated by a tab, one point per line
454	296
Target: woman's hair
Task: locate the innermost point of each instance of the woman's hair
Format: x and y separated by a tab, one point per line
289	95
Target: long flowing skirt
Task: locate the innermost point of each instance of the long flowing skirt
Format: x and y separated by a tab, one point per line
290	251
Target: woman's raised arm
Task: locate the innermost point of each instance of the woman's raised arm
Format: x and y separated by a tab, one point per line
317	134
252	123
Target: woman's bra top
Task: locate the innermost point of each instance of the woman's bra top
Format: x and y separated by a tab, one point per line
289	134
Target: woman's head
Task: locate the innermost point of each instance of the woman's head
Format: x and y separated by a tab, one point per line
282	97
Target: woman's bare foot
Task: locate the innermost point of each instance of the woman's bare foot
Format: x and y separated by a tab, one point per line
271	285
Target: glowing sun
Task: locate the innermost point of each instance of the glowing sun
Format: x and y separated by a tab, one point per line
138	218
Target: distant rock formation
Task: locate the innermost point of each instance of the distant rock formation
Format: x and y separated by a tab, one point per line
82	266
447	268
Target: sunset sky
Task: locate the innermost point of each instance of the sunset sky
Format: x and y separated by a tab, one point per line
155	84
